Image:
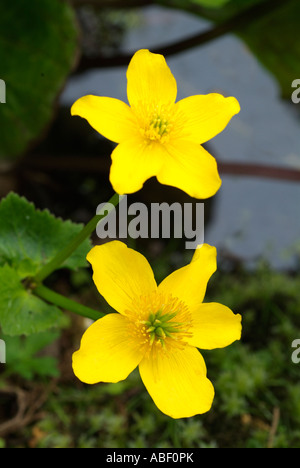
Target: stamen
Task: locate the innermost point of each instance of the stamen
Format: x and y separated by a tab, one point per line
159	322
155	121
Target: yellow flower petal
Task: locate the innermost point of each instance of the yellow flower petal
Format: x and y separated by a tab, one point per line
205	115
189	283
112	118
189	167
214	326
106	353
121	274
150	80
134	162
177	382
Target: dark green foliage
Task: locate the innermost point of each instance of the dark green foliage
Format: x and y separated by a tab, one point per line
29	238
38	46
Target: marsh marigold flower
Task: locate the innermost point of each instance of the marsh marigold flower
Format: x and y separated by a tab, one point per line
157	328
157	136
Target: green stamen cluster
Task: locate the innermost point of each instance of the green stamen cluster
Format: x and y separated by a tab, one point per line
160	125
159	326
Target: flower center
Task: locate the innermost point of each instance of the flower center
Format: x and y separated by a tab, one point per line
159	322
160	326
155	122
158	128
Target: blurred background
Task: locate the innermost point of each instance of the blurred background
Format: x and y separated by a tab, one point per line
54	52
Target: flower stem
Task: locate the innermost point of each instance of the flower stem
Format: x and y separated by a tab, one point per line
64	254
63	302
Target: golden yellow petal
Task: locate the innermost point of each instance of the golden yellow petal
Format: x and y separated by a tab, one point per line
110	117
121	274
177	382
205	116
214	326
189	283
134	162
189	167
150	80
106	352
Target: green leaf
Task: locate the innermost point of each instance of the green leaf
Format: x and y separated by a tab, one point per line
29	238
38	49
273	40
22	358
22	313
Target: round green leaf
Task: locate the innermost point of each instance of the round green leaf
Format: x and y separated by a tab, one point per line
38	47
30	238
22	313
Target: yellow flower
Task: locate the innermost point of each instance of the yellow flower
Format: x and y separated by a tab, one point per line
158	328
155	135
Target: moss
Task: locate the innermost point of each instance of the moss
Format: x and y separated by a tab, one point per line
254	379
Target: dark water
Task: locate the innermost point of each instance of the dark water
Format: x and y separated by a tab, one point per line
253	217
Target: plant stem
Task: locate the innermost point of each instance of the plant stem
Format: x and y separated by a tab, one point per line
64	254
63	302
